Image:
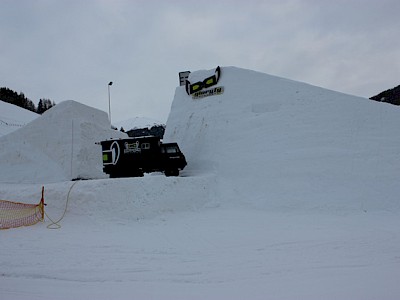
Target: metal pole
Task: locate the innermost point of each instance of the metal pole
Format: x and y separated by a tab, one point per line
109	101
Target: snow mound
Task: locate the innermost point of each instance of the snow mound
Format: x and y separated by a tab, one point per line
277	143
13	117
58	146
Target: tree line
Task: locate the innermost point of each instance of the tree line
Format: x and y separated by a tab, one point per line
390	96
12	97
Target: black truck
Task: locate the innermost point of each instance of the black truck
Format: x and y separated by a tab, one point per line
131	157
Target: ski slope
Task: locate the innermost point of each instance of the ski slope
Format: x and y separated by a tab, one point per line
290	193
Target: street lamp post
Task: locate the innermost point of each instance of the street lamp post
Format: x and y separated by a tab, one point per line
109	101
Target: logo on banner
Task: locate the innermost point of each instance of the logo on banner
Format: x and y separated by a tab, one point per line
212	92
115	151
132	147
196	87
111	157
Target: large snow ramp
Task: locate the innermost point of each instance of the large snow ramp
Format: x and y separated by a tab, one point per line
289	144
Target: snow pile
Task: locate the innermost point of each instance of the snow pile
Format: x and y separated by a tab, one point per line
277	143
58	146
13	117
266	142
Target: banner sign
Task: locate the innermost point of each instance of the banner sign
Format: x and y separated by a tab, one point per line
183	76
212	92
206	83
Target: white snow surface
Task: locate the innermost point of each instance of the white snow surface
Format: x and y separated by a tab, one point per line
13	117
58	146
291	192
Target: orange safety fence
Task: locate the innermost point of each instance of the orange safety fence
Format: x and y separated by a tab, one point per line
15	214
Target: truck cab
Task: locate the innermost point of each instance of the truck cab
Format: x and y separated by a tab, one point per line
131	157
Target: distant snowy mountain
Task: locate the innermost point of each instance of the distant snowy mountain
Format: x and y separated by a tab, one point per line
137	123
13	117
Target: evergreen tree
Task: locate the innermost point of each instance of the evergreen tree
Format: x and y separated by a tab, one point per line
12	97
40	107
20	100
44	104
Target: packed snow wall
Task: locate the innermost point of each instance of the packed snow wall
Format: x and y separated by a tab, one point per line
13	117
273	142
59	145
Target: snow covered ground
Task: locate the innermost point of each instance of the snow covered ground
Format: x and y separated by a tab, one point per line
291	192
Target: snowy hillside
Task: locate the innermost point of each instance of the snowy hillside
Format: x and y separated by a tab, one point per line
13	117
290	192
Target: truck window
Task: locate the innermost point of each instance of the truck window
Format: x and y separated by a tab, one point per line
145	146
171	149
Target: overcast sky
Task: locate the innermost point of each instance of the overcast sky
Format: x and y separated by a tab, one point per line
72	49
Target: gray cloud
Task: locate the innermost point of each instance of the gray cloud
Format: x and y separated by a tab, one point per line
72	49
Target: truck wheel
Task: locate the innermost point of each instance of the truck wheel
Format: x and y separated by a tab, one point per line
172	172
